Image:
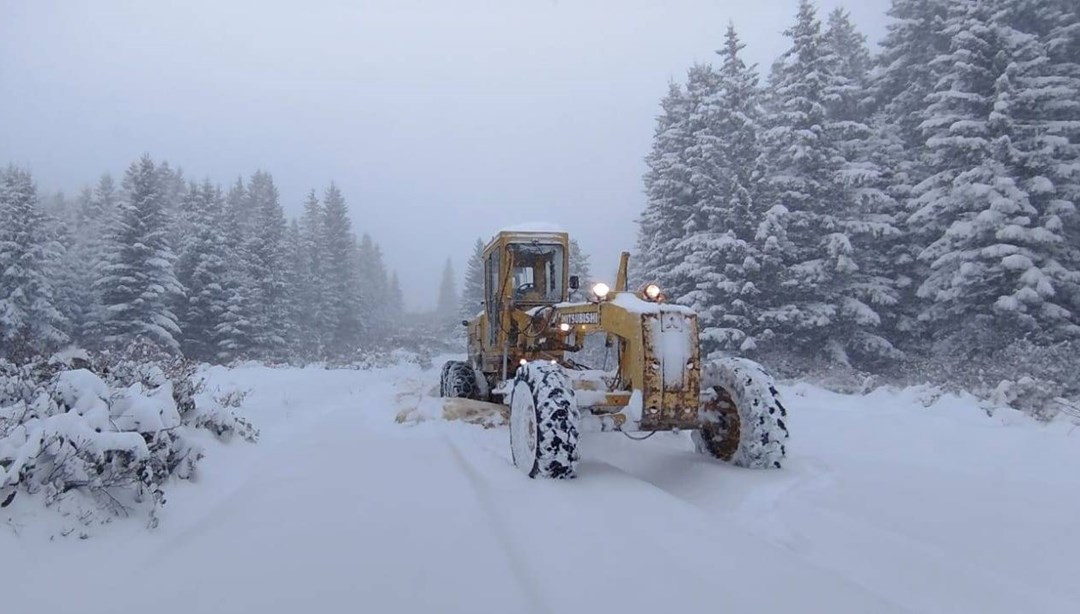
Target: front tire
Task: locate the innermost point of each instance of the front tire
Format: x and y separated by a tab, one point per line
544	420
458	381
744	420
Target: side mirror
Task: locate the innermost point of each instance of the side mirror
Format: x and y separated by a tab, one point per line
575	282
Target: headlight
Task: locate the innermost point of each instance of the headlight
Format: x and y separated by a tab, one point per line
564	327
652	291
601	290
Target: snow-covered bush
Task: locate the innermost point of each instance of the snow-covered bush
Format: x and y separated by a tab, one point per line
106	434
1040	379
380	358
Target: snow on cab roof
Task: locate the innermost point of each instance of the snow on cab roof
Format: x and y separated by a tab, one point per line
533	227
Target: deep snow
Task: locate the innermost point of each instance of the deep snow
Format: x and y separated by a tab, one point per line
884	505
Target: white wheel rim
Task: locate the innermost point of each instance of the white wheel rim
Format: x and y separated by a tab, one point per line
523	428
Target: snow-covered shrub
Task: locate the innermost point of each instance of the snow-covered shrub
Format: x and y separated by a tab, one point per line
105	434
1036	378
380	358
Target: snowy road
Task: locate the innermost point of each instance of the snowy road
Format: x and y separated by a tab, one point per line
884	506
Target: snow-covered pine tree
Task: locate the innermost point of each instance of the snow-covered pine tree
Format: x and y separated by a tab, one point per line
309	260
174	190
295	284
869	212
138	283
236	333
579	265
814	304
472	294
397	300
202	269
668	190
691	218
446	309
903	76
342	291
30	323
67	275
265	253
74	277
915	36
720	256
373	284
97	218
990	266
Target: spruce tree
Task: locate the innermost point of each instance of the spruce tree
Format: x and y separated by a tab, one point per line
668	190
446	309
396	300
265	252
341	288
472	294
237	331
815	303
138	284
990	251
579	265
30	323
311	279
202	269
721	254
373	284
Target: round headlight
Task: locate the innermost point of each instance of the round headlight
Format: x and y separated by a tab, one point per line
652	291
601	290
564	327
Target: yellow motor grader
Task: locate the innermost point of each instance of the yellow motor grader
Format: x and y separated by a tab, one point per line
521	349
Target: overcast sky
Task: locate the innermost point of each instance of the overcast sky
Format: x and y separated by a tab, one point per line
441	120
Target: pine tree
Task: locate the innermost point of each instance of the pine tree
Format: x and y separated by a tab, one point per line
342	289
265	253
578	265
870	217
139	283
97	218
472	294
692	215
202	269
70	274
990	266
30	323
721	253
446	309
397	300
311	279
915	37
668	190
237	331
815	303
298	343
373	283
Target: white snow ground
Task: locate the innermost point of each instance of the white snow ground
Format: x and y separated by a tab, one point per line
885	505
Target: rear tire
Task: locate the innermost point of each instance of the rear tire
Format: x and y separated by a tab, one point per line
458	380
745	420
544	420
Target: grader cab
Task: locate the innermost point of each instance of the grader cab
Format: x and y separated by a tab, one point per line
521	352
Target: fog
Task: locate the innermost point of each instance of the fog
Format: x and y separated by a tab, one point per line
440	121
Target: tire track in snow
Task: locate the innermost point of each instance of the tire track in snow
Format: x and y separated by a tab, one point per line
502	533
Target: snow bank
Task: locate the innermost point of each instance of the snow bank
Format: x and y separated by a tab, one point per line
534	227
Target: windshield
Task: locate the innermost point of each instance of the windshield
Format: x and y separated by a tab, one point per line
537	276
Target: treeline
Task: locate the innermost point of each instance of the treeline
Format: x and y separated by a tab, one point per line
217	275
914	208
